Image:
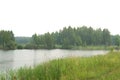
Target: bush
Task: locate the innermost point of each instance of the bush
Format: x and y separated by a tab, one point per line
20	47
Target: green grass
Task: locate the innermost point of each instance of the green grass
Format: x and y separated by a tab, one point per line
102	67
93	47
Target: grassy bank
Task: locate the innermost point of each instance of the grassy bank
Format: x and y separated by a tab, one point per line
102	67
90	47
94	47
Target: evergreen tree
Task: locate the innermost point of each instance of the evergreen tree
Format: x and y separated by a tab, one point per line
106	37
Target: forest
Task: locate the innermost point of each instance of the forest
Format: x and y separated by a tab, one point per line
67	38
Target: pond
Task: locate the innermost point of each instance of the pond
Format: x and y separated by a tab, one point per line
14	59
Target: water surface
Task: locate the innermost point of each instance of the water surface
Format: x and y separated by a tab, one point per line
13	59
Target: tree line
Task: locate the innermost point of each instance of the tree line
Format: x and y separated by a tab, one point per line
66	38
74	37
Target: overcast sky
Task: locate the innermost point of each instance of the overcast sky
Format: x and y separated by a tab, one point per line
26	17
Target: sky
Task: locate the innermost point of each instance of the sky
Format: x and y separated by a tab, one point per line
26	17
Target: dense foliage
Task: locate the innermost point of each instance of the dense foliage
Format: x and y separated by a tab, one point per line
71	37
67	38
7	40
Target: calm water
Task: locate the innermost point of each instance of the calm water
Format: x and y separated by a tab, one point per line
13	59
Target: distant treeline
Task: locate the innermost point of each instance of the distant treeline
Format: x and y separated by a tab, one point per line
66	38
73	37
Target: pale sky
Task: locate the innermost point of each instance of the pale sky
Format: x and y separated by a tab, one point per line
26	17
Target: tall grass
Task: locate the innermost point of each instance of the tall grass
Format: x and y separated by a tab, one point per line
102	67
